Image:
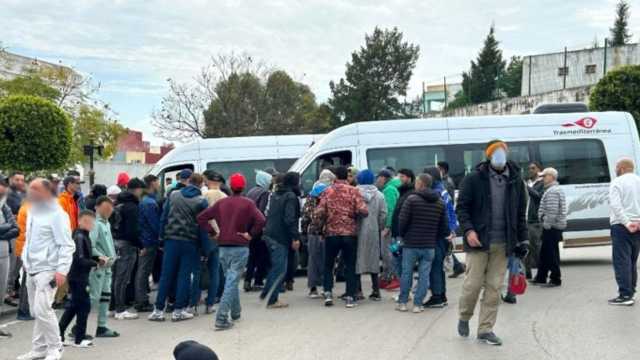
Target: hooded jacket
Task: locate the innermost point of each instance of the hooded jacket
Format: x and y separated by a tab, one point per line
180	212
125	225
8	226
102	242
391	195
283	217
446	198
83	259
423	220
70	206
404	190
15	199
474	208
340	207
369	228
149	221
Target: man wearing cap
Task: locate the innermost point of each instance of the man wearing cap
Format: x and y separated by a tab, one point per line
391	195
552	213
125	227
122	180
492	212
239	220
624	216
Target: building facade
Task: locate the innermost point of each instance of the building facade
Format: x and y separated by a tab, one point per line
133	149
573	69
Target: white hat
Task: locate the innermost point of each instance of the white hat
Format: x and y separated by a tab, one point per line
549	171
113	190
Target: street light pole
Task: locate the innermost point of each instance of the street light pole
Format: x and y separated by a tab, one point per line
89	151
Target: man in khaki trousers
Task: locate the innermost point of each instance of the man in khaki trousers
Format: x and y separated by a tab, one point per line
492	209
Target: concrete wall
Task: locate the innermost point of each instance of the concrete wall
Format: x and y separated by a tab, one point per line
544	68
107	171
520	105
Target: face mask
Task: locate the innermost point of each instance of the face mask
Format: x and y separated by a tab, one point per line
499	159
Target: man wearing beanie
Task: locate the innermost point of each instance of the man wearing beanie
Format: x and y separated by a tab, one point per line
492	211
126	234
231	214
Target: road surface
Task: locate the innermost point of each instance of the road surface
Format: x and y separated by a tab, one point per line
572	322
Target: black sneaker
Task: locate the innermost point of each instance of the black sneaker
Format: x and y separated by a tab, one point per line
537	282
328	299
375	296
510	299
551	284
490	338
463	328
144	308
221	326
435	302
457	272
622	301
247	286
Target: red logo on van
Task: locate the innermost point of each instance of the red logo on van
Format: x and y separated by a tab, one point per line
587	123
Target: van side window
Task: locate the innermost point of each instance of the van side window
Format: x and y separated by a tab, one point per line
577	161
324	161
248	168
414	158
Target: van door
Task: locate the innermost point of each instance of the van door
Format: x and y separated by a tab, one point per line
335	158
169	174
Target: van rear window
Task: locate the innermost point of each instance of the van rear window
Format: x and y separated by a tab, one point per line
248	168
577	161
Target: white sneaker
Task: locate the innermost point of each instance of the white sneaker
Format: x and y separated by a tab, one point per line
181	315
83	344
54	355
156	315
126	315
418	309
402	308
32	355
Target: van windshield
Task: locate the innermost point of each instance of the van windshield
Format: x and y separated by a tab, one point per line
248	168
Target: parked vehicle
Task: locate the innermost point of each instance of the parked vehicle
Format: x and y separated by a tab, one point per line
583	147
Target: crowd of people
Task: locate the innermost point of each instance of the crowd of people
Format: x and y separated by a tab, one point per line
62	249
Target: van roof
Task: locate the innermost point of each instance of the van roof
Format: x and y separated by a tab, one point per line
236	148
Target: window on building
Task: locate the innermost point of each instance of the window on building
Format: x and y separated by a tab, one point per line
563	71
590	69
577	161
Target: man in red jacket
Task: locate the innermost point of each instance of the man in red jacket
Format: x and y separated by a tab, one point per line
239	221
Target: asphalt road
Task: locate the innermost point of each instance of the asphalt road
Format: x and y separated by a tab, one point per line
572	322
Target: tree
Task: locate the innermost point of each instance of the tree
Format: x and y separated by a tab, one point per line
93	126
181	113
29	84
460	100
378	73
620	31
36	134
480	84
511	80
618	90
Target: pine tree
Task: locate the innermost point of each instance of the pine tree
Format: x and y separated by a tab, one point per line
620	31
480	84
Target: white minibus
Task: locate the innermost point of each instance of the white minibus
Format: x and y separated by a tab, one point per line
583	147
235	154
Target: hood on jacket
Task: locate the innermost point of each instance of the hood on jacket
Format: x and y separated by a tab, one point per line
394	182
428	195
318	189
327	177
263	179
125	197
368	192
190	191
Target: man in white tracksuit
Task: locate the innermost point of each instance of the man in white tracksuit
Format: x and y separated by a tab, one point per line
47	257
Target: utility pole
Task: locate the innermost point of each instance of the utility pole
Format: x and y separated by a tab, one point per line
445	93
424	104
604	67
529	75
89	151
565	70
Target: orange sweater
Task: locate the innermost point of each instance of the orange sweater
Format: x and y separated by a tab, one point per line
69	206
22	225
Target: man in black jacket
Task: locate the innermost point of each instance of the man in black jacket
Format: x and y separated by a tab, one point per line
492	208
125	227
422	223
280	234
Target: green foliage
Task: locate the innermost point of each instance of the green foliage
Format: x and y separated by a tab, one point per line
378	73
92	125
619	90
29	84
36	134
620	31
511	81
245	106
480	84
460	100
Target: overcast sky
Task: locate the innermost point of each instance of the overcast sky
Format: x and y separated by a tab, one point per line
132	47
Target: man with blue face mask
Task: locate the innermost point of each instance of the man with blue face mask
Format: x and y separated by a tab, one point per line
492	209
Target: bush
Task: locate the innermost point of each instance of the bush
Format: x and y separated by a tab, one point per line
35	134
619	90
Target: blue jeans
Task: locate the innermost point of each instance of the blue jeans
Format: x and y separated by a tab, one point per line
195	293
213	265
626	247
179	258
437	275
233	260
424	258
279	254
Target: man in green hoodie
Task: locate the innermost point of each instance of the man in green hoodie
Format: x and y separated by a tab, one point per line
389	187
100	278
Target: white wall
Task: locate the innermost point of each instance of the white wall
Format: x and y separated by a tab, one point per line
107	172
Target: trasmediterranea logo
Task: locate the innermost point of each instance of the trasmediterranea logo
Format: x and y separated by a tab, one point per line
583	126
